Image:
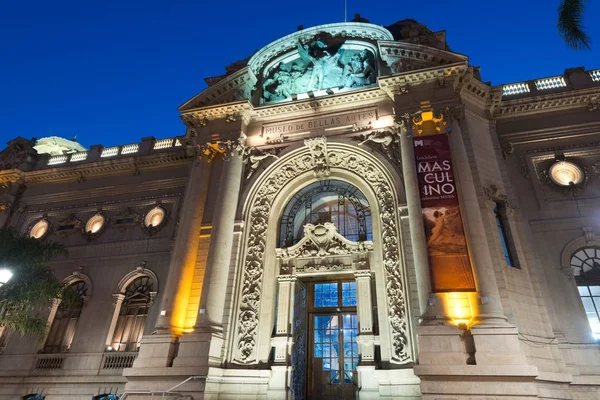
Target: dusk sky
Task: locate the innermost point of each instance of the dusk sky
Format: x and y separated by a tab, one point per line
113	72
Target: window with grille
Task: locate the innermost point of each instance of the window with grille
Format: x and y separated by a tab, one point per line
64	324
133	315
327	201
585	264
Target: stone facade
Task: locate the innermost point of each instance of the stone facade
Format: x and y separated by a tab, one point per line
228	303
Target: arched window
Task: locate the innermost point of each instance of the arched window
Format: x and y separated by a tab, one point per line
585	263
327	201
136	302
62	331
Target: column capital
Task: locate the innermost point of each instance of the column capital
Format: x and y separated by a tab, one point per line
362	274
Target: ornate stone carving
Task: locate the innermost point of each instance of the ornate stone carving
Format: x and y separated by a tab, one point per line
492	193
389	139
318	151
596	167
68	226
594	105
212	149
323	240
507	150
252	275
16	153
324	267
252	156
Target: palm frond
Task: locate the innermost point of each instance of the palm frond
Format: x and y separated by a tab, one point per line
570	24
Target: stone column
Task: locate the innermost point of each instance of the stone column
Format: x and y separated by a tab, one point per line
183	259
364	311
118	300
415	220
214	289
158	350
282	342
490	308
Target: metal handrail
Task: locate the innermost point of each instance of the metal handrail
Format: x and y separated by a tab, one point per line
167	392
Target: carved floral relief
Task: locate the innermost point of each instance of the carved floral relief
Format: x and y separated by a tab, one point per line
253	267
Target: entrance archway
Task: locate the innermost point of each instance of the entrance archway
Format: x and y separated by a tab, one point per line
256	300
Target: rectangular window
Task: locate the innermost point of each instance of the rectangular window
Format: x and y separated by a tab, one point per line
326	294
590	296
505	239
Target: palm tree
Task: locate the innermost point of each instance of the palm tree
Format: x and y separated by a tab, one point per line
25	299
570	24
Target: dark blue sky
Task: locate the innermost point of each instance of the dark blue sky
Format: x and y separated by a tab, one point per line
113	72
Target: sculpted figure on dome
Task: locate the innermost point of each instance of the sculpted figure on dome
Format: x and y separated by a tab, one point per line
322	62
359	71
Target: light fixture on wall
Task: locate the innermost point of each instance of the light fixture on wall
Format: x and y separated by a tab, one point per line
40	229
566	173
95	223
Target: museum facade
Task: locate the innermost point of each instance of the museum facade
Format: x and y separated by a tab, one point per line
352	213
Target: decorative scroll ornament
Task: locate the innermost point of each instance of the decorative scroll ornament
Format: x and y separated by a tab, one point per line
323	240
212	149
389	139
253	267
426	122
318	151
252	156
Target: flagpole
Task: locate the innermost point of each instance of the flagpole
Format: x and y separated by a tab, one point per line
345	10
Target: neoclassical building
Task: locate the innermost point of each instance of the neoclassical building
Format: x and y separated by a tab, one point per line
352	213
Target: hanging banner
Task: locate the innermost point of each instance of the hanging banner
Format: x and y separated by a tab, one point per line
450	267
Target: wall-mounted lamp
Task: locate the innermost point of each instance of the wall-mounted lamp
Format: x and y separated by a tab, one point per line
431	301
163	313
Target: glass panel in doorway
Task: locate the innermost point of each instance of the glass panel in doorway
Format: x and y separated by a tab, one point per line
334	356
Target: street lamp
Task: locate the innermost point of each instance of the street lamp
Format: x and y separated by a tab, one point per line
5	276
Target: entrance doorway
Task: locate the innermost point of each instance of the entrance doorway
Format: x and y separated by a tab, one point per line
333	349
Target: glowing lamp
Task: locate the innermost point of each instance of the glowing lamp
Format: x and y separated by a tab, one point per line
566	173
95	223
39	229
5	276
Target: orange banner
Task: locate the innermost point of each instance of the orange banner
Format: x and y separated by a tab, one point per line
449	263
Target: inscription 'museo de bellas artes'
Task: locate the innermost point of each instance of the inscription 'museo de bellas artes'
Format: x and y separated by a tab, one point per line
363	117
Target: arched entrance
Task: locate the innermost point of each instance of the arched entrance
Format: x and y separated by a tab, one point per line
324	235
269	293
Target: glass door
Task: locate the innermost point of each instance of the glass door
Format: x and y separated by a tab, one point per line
333	354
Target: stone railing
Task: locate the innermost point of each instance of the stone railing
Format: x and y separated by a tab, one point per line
118	360
575	78
50	361
99	153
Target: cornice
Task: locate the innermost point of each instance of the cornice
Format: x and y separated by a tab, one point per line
391	84
213	94
563	132
561	101
213	112
108	167
472	89
152	190
322	104
9	176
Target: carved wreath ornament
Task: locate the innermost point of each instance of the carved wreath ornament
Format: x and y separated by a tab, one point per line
252	278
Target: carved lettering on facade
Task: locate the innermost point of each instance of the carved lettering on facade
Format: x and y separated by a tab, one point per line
331	121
